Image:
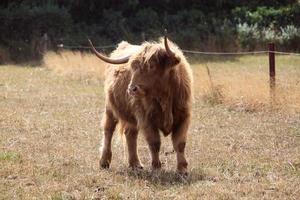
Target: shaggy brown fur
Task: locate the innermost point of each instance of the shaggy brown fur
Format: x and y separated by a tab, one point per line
150	93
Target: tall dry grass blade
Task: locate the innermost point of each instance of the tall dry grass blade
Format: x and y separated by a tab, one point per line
209	77
214	96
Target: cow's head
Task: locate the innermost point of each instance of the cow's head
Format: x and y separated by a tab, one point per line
150	67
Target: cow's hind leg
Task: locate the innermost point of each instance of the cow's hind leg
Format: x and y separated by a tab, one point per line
153	139
179	141
109	125
131	135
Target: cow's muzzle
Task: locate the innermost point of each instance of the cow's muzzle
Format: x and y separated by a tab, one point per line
133	90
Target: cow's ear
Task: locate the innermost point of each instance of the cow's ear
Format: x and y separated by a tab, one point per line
172	61
167	62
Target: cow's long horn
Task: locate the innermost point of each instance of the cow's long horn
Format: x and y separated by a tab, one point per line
169	51
107	59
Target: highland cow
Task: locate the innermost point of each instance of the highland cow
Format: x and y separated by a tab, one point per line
149	90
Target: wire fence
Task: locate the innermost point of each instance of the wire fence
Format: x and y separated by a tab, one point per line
85	47
190	51
224	53
270	51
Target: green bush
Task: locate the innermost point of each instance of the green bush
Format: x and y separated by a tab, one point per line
248	36
251	37
265	16
290	38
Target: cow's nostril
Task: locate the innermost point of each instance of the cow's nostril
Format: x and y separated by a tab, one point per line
134	89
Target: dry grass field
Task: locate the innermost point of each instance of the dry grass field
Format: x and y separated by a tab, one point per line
239	147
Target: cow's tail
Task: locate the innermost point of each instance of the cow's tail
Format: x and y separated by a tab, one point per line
121	128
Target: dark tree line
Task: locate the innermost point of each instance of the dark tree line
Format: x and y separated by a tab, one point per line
223	25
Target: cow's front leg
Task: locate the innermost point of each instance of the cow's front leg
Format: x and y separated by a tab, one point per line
153	138
179	136
131	135
109	125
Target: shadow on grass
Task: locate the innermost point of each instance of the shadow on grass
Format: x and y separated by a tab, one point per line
163	177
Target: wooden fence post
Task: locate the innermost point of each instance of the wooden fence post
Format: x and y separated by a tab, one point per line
272	71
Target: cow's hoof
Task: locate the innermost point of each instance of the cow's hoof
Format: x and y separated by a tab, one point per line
183	173
156	165
104	164
182	168
105	159
136	165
